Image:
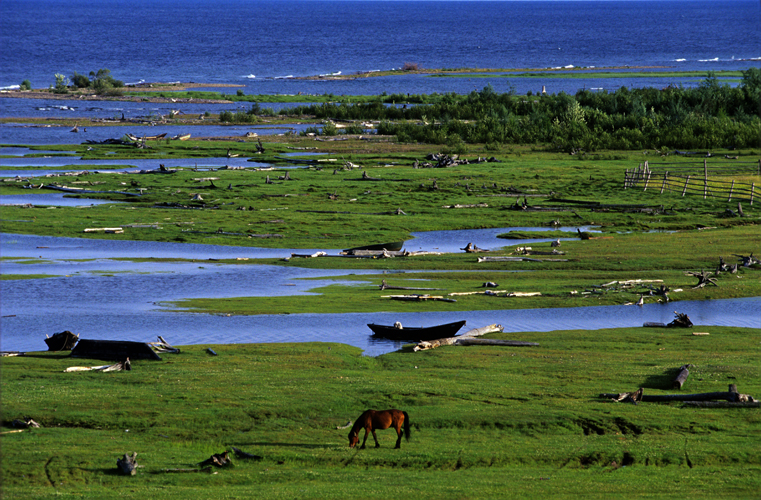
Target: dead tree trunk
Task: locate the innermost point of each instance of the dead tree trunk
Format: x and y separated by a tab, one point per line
684	372
128	464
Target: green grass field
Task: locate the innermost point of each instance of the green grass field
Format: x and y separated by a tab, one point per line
485	420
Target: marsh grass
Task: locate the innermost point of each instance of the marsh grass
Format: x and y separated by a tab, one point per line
484	419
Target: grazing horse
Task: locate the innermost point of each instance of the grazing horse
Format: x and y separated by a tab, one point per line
371	420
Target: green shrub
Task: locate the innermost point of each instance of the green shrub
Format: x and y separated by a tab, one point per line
80	81
61	84
26	85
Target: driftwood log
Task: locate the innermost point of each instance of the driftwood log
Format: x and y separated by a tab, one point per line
497	342
681	378
127	465
242	454
470	338
218	459
703	278
731	396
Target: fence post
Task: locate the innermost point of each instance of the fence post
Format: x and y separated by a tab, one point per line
686	181
665	175
730	190
752	188
647	179
705	179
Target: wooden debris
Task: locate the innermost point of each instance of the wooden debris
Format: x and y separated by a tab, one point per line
701	333
218	459
471	248
385	286
25	423
418	298
681	321
242	454
731	396
469	339
517	259
205	469
472	205
109	230
497	342
163	346
703	278
128	464
721	404
116	367
681	378
307	256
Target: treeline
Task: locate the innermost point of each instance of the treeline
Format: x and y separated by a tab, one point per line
708	116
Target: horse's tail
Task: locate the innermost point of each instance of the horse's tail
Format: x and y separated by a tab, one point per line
406	425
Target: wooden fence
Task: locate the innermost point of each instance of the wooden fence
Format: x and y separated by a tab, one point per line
693	178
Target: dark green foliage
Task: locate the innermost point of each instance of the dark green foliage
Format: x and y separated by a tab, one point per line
26	85
80	81
709	116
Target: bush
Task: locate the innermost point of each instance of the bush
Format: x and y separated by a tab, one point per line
61	84
80	81
25	85
329	128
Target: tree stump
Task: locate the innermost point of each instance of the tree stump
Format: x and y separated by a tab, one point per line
128	464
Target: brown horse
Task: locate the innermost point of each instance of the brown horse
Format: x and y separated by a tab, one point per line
371	420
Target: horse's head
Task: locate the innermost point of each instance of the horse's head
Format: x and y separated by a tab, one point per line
353	438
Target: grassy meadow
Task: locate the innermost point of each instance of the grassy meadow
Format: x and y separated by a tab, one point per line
487	422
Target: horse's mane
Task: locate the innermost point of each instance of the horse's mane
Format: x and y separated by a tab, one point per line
358	425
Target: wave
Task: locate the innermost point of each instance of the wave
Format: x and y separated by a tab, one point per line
11	87
680	60
283	77
332	74
135	84
715	59
250	76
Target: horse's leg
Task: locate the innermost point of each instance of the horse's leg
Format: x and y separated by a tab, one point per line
377	445
398	428
365	440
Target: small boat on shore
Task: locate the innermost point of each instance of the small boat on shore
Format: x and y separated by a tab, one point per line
416	334
62	341
181	137
146	137
391	247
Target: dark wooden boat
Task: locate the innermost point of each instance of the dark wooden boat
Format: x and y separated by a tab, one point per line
62	341
118	350
391	247
416	333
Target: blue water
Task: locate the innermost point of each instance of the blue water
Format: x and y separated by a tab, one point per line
254	43
123	298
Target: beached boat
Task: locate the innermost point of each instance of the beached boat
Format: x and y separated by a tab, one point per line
391	247
416	333
146	137
62	341
182	137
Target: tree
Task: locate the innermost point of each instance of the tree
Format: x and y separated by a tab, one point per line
61	84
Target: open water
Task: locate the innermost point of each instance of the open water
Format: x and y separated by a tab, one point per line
261	44
264	46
